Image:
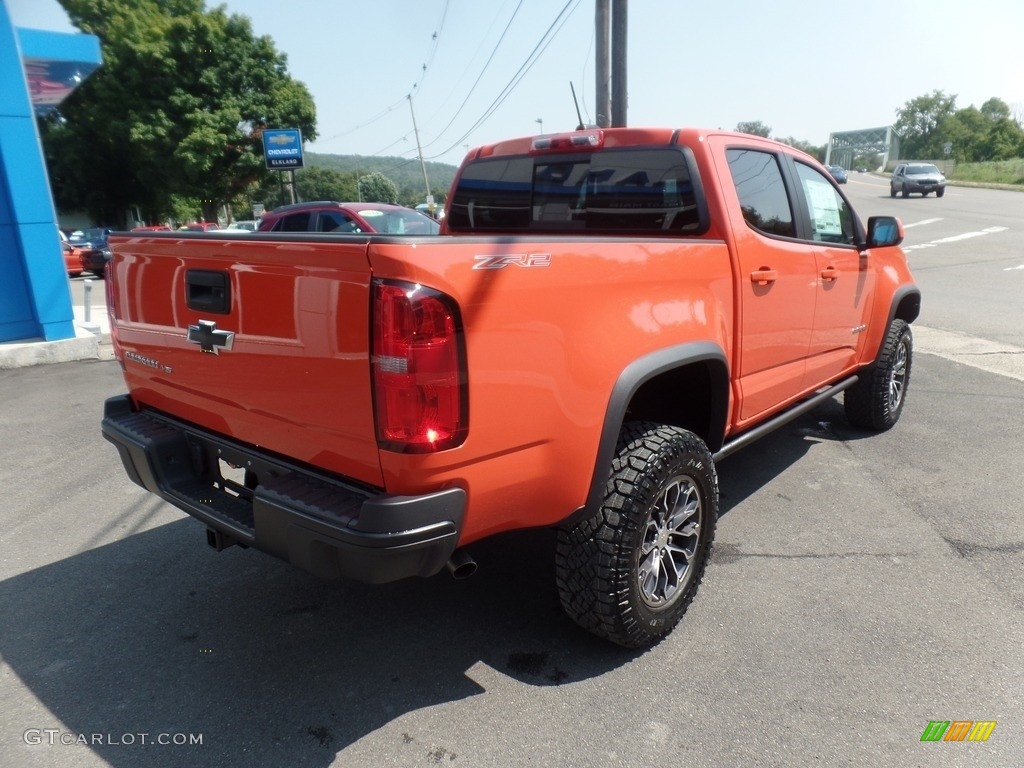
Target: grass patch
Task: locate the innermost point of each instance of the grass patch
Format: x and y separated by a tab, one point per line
993	172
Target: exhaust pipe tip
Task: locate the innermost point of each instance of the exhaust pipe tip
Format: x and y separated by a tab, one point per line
461	565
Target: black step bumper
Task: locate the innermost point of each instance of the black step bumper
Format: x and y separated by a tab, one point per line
315	521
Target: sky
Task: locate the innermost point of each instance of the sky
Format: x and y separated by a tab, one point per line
479	71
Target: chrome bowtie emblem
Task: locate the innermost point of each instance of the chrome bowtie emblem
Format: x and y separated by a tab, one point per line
209	338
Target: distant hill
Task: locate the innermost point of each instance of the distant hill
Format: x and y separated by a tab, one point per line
404	172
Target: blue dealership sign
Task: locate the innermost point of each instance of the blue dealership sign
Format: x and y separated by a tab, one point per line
282	149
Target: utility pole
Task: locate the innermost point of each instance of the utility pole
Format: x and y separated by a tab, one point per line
602	31
423	165
619	90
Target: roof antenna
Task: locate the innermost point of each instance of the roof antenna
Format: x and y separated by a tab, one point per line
579	117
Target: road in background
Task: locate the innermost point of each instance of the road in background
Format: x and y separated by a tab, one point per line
966	253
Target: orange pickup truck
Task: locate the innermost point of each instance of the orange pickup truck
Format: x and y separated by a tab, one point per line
605	314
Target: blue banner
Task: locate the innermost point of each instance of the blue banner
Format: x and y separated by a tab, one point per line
282	149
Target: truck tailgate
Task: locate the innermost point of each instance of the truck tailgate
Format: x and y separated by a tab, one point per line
259	340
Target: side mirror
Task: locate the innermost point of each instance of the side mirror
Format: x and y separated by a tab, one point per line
884	231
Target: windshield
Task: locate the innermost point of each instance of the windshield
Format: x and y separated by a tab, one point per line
922	168
91	235
404	221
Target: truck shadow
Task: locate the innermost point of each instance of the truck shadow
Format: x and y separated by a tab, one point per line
747	470
156	634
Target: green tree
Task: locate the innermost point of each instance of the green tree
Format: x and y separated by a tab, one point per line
963	130
996	109
920	121
377	188
814	150
754	128
315	183
1003	140
176	109
928	123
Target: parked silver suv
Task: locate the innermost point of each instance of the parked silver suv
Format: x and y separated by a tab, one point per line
917	177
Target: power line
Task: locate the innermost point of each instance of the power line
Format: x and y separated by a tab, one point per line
365	123
532	59
435	42
545	40
471	62
490	58
436	38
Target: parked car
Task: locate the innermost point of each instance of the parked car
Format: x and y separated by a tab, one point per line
917	177
838	173
152	228
242	226
200	226
438	213
90	237
72	258
328	216
95	260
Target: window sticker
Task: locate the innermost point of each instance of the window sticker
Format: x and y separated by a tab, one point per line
824	211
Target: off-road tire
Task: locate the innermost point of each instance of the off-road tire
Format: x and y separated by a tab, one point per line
877	399
905	192
892	190
940	192
629	572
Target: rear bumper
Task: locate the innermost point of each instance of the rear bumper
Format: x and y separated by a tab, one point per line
315	521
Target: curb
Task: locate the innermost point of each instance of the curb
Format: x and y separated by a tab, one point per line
86	345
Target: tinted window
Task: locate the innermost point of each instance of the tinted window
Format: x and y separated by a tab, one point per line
761	190
628	191
295	222
830	217
335	221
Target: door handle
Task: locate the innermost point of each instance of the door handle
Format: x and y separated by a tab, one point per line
763	276
207	290
829	274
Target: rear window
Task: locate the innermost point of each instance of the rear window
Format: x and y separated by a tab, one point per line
627	191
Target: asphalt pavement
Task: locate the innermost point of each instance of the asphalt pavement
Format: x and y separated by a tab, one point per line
862	587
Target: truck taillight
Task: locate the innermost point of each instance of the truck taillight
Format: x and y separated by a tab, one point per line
419	372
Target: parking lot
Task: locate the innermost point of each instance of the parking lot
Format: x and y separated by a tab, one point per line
862	586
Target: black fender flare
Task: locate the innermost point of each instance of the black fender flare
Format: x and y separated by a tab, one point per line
901	294
635	375
904	293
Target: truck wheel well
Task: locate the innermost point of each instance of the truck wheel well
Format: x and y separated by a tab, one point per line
681	397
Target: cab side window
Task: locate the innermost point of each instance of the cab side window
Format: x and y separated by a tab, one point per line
335	221
830	217
295	222
762	192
